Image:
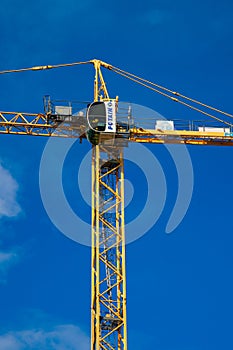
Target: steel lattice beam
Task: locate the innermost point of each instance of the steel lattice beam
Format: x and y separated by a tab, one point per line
108	250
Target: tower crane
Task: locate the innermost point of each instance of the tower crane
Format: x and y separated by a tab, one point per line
109	135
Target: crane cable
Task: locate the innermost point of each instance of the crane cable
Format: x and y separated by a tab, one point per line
43	67
145	83
173	98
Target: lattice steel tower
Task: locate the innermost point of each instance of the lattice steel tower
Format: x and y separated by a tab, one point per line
108	239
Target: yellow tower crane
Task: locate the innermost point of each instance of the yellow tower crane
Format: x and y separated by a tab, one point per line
108	138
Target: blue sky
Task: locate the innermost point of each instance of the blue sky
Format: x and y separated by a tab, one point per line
180	285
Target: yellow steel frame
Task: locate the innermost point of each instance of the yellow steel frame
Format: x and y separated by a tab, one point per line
18	123
108	250
100	89
108	300
181	137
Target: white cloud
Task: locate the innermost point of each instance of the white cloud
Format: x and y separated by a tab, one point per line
9	342
61	337
8	208
7	259
8	190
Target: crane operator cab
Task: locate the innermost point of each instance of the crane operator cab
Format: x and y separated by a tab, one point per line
104	125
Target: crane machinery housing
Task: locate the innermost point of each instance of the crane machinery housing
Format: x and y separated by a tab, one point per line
109	130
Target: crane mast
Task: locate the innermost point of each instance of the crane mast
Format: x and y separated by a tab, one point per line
108	297
108	303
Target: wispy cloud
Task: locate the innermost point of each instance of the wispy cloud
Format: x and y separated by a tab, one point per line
60	337
9	206
7	259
